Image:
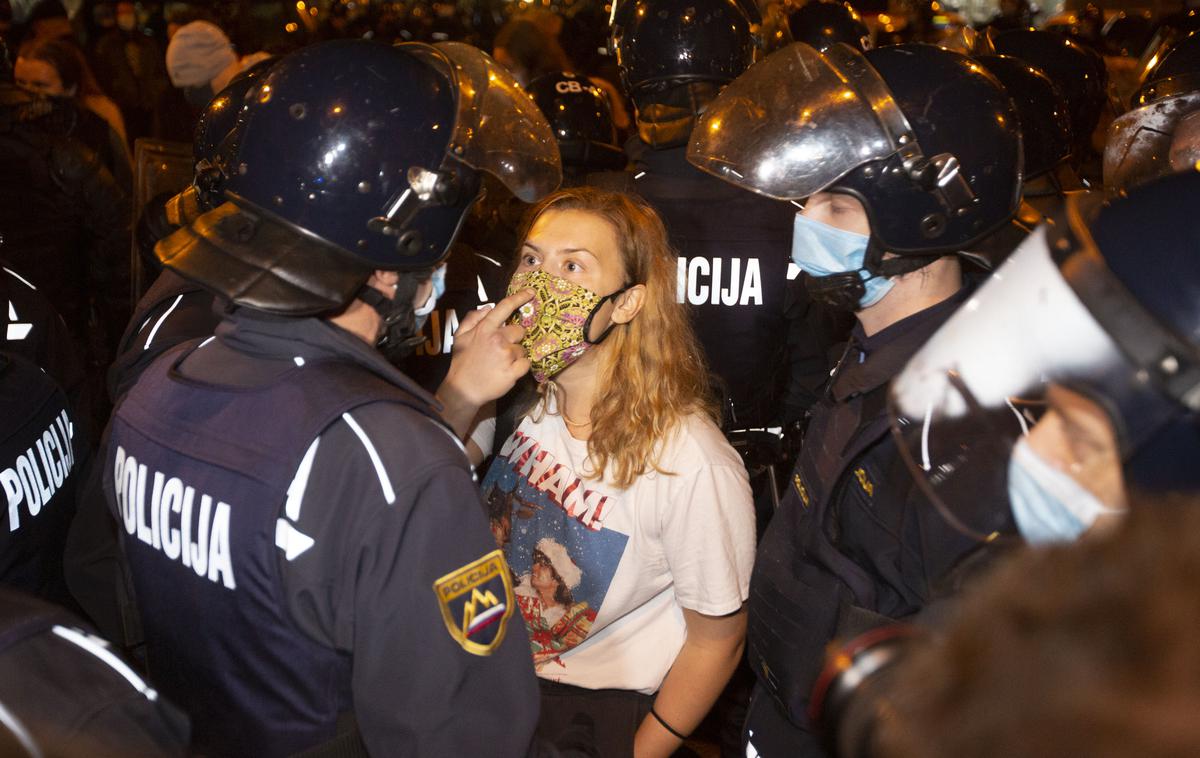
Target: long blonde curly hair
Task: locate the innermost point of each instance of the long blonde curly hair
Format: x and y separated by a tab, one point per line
654	374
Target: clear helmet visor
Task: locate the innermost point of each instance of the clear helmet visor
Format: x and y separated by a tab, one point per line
795	122
966	397
1139	144
499	129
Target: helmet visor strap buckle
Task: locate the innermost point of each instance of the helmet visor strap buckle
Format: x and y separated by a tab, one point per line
425	189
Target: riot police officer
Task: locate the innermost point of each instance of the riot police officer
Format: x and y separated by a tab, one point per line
674	56
43	437
1067	394
906	155
304	538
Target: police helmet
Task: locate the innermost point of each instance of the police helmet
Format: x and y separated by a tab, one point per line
1041	108
924	137
581	119
1085	304
1170	30
1078	72
357	156
659	43
1177	73
821	23
1148	141
215	138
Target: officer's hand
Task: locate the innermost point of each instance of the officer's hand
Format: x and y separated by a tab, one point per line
486	362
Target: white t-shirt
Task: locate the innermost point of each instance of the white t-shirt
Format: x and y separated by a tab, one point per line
626	561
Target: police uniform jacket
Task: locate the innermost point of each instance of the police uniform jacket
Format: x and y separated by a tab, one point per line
41	453
854	544
171	312
305	540
34	330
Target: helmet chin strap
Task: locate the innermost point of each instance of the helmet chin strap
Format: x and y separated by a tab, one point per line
397	339
875	263
846	289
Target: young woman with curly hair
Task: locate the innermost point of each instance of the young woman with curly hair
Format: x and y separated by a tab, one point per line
628	492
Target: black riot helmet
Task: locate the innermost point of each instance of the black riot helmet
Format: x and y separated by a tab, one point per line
1161	133
1078	72
924	137
581	120
821	23
1177	73
1084	304
1041	108
216	136
356	156
659	43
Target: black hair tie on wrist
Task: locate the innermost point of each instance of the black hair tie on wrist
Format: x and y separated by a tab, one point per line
665	725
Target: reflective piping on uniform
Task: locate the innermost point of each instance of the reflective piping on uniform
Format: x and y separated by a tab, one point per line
160	321
925	466
481	291
388	493
23	279
205	342
295	491
89	644
1020	418
16	331
18	730
639	175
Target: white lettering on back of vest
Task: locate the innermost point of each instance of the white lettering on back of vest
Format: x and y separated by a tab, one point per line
719	281
167	521
37	474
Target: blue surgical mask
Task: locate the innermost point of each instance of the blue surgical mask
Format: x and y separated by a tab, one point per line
822	250
439	288
1048	504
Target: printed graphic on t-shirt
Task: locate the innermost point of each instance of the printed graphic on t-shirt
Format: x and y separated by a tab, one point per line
551	527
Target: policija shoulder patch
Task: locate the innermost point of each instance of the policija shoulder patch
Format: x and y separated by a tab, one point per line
476	602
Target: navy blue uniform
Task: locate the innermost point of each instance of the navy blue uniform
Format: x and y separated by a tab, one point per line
34	330
854	545
171	312
40	457
305	540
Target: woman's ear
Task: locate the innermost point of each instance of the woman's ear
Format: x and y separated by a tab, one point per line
628	304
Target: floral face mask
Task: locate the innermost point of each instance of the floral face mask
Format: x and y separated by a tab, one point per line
556	321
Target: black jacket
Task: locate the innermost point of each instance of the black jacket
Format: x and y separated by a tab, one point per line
855	543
